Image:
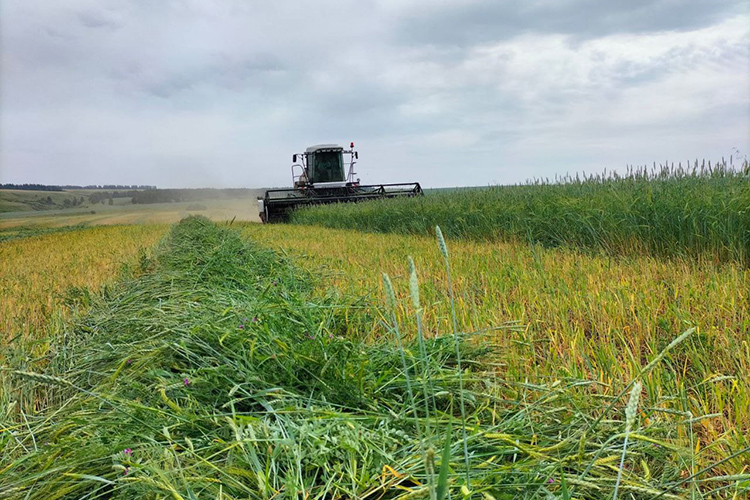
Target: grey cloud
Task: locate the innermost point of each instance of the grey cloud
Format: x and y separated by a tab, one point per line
463	24
171	86
53	33
230	74
94	19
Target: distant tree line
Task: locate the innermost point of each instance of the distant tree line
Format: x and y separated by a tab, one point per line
68	202
111	186
175	195
43	187
108	195
139	194
31	187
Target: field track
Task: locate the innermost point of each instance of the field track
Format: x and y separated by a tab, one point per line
125	213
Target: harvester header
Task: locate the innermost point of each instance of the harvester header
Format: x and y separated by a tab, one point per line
324	173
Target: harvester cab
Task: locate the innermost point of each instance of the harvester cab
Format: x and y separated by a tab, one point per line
322	175
324	165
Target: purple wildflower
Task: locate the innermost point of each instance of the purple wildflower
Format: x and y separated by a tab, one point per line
186	381
255	319
125	472
242	326
130	361
127	451
550	480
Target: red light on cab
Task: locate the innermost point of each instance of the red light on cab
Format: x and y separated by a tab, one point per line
351	145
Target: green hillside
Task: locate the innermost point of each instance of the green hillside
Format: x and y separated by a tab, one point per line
16	200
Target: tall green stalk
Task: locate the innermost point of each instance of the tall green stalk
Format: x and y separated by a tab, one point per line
630	412
444	251
427	388
390	293
666	211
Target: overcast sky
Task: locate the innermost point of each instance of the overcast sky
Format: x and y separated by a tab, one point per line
188	93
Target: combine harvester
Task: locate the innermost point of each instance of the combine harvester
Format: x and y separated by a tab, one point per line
319	176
